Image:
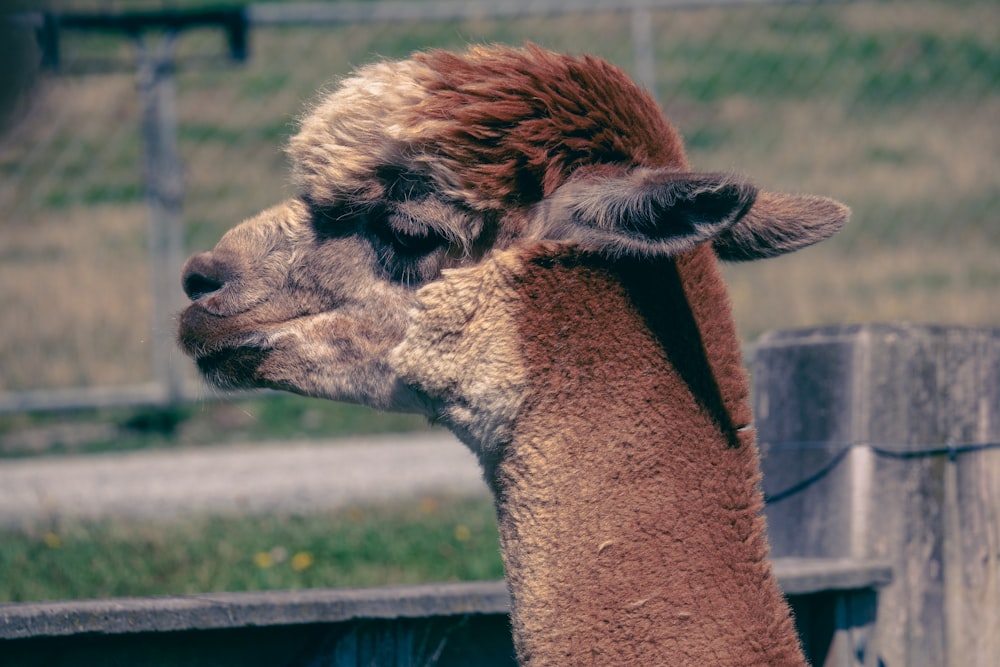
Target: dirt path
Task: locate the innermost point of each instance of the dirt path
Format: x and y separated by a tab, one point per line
287	477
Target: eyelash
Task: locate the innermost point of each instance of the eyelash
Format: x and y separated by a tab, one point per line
401	254
407	245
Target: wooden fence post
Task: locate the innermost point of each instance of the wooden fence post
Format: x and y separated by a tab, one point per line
164	180
880	441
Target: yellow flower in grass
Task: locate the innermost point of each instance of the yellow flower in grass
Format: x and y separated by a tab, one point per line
303	560
52	541
266	559
462	533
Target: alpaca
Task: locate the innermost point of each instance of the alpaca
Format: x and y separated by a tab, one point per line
510	242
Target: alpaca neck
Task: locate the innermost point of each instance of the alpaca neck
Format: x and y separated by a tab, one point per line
607	404
627	497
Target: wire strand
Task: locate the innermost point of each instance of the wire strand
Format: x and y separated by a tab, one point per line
952	451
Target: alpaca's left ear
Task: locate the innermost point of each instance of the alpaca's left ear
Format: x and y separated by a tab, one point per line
645	212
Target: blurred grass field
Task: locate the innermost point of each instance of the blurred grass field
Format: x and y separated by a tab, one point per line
890	107
887	106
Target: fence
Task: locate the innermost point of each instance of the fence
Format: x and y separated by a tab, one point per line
146	144
449	625
883	442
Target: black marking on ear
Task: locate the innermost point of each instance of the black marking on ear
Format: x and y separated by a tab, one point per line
645	212
686	205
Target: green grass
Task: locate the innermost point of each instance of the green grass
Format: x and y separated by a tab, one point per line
433	539
875	68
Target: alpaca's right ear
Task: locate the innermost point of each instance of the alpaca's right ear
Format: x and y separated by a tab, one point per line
779	223
644	212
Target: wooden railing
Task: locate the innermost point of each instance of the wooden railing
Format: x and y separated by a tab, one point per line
442	625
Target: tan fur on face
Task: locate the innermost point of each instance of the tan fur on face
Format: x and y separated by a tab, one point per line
458	155
367	123
298	314
462	350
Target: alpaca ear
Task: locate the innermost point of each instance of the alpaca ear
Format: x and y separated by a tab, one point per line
645	212
780	223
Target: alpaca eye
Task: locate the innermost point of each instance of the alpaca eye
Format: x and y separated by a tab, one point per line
406	237
409	251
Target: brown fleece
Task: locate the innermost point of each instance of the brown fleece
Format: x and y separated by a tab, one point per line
515	123
629	508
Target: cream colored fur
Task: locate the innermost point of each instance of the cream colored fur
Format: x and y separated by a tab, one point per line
461	347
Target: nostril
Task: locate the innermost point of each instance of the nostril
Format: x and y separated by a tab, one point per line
197	285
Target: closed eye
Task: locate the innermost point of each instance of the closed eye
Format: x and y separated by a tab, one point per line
406	237
409	251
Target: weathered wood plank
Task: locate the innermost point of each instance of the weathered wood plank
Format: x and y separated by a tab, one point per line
880	441
797	576
249	609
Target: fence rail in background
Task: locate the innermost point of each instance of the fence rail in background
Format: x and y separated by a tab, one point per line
164	186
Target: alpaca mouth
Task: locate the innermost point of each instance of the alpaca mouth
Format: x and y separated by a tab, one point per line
226	351
232	368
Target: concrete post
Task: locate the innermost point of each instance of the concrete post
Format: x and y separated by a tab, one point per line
880	441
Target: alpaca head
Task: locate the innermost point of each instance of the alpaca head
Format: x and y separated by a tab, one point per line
415	167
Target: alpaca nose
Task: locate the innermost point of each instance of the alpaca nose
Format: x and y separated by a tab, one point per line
201	276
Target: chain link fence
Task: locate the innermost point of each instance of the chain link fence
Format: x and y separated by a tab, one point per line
889	106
